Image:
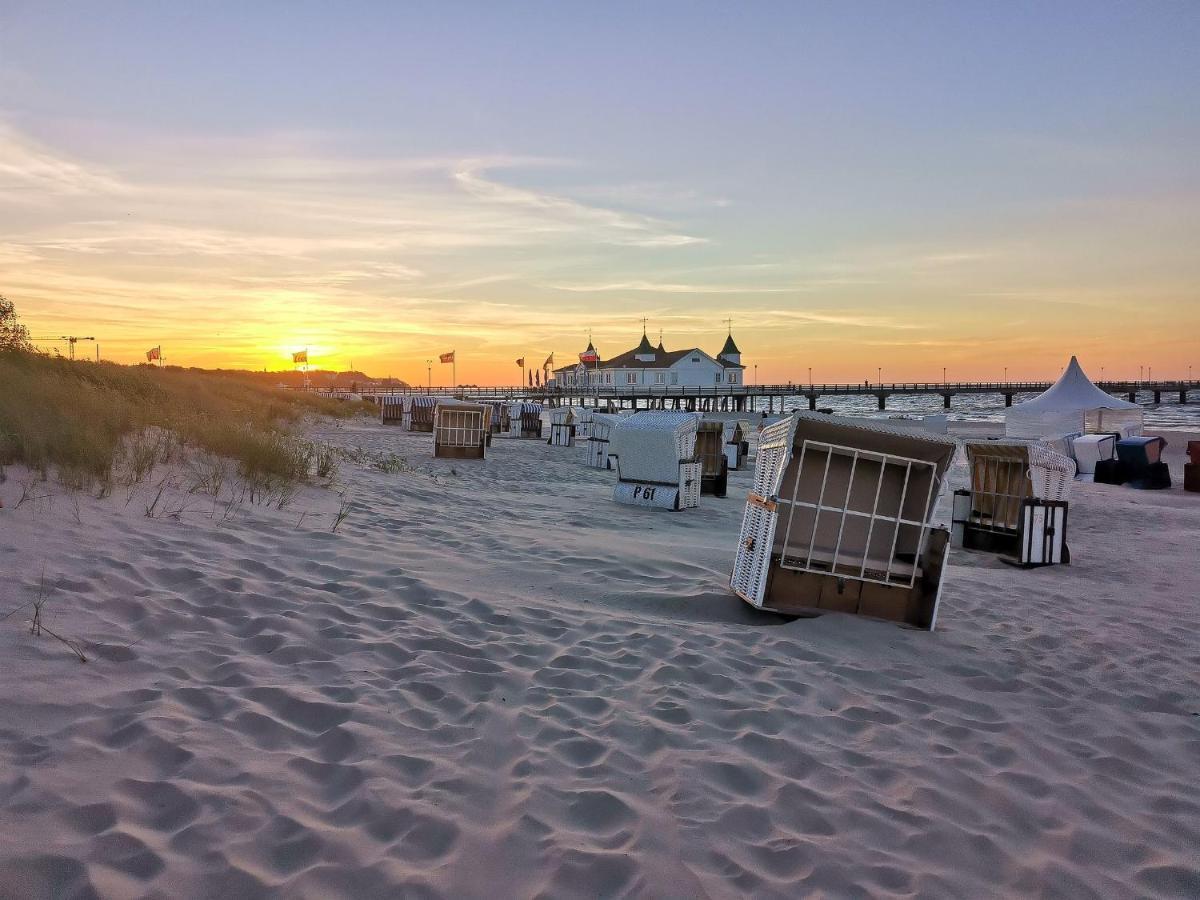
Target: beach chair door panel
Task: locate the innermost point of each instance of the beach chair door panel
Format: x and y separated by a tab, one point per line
752	563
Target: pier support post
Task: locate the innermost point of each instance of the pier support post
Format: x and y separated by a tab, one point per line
1008	399
812	402
946	401
1158	396
882	401
1183	396
1132	396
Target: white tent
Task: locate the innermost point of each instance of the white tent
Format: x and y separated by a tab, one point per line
1072	405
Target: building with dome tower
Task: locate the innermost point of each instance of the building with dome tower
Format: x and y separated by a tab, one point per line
647	366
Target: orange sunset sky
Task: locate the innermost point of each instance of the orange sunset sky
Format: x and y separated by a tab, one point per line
927	186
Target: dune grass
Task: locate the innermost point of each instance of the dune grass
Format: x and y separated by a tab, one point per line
87	420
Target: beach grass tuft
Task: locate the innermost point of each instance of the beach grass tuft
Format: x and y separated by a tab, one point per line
93	422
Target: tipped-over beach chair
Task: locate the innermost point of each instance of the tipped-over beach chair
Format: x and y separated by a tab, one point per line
391	409
840	519
562	427
710	453
597	444
1017	503
461	429
654	455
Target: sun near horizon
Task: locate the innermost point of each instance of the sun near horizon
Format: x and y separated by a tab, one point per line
937	187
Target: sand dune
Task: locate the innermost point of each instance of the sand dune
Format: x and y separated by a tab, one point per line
492	682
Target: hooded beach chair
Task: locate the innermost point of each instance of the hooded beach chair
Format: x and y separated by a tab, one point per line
1091	449
840	519
583	422
655	459
461	429
1017	502
1141	460
499	420
525	420
710	453
420	413
562	427
596	448
737	442
391	409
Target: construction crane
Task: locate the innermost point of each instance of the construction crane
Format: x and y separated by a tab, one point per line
71	339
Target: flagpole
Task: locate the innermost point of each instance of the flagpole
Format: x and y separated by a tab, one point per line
454	368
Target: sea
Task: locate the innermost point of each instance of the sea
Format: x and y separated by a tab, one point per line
990	408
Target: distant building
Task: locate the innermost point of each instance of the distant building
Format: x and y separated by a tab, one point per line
648	366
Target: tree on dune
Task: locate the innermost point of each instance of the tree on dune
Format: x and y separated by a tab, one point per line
13	335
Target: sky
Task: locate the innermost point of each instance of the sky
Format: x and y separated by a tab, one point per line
864	189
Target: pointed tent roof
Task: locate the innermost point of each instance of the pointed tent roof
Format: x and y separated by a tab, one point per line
590	348
660	348
644	346
730	346
1073	391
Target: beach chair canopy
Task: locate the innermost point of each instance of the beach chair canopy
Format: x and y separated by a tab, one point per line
650	445
1064	408
603	423
1140	451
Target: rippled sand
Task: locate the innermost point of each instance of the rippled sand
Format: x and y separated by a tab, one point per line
492	682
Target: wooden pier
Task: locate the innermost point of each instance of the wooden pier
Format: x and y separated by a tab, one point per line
769	398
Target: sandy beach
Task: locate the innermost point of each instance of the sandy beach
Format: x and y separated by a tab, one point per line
491	681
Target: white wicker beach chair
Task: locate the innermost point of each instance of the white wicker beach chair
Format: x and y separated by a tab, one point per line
583	422
562	427
596	448
655	460
840	518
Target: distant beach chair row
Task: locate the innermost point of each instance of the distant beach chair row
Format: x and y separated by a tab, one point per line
412	412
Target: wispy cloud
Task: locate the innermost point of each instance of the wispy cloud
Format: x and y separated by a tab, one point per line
665	288
29	171
607	225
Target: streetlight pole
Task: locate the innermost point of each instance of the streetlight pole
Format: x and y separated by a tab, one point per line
429	372
810	378
879	375
943	376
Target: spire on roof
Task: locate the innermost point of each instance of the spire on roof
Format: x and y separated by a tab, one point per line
660	348
730	347
644	346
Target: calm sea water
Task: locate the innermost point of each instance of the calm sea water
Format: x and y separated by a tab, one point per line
990	407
